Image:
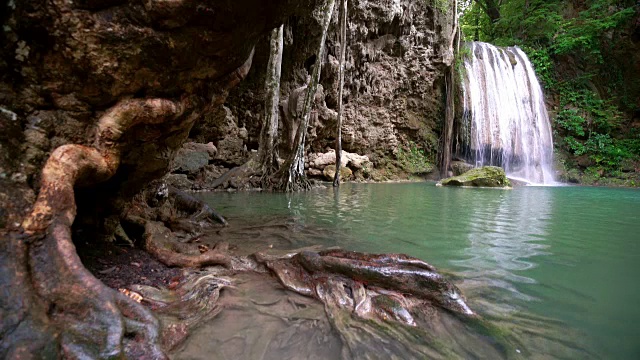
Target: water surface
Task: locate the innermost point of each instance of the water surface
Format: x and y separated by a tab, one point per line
531	258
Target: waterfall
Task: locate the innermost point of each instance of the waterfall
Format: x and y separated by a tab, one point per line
504	121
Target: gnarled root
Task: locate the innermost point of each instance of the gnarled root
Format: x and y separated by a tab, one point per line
200	210
386	305
183	308
162	212
92	313
91	319
160	242
386	286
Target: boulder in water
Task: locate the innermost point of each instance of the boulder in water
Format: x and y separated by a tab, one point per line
486	176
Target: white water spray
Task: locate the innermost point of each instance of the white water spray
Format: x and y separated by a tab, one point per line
505	121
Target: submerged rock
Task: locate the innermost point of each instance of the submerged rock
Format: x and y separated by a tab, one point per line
486	176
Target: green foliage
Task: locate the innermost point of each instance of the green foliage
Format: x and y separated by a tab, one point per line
474	23
442	5
531	22
584	33
571	121
597	115
542	64
586	123
631	144
463	54
414	159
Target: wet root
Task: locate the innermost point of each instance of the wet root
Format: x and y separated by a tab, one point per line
160	242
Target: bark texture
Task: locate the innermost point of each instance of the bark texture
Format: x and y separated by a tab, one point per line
268	156
445	151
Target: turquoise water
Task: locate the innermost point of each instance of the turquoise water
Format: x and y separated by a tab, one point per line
568	257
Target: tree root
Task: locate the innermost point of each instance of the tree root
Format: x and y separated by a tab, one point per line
387	306
200	210
57	308
95	317
181	309
371	286
163	210
159	242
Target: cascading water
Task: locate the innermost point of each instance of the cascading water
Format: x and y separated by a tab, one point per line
505	121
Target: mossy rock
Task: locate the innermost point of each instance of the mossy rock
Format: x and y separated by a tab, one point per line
486	176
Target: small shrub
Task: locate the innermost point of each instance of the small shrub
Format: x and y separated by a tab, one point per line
414	160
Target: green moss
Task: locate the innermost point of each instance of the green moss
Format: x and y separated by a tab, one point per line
486	176
414	159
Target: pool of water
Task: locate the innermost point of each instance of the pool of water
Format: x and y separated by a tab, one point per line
568	257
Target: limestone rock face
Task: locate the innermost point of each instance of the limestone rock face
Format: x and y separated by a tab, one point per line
320	160
323	164
329	173
486	176
460	167
396	56
190	162
192	157
64	64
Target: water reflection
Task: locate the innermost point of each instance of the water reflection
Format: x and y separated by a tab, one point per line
507	233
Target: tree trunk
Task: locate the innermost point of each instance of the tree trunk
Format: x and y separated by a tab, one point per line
291	176
343	52
491	8
450	110
268	156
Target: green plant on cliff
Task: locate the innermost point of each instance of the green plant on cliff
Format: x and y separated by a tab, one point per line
586	123
463	54
414	159
543	65
583	34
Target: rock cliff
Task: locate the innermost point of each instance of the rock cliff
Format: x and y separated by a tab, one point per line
394	83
